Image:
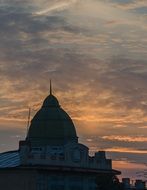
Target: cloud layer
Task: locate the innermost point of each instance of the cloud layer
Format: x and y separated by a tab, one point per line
95	51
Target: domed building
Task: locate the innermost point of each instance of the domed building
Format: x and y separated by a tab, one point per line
51	125
50	158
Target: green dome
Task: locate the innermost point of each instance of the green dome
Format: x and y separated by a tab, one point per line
51	125
51	101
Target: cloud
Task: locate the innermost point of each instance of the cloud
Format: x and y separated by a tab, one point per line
95	52
54	7
126	138
130	170
129	5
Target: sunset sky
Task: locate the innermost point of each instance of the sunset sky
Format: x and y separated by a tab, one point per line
95	52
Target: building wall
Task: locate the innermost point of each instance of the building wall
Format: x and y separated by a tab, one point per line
42	178
18	180
71	154
14	179
65	181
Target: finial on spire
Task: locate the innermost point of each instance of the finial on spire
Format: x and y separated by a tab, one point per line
50	87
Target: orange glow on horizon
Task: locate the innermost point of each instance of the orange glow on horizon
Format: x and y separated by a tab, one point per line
126	150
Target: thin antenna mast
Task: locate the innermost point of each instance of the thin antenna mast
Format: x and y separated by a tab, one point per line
28	123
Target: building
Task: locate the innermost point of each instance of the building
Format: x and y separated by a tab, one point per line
51	158
137	185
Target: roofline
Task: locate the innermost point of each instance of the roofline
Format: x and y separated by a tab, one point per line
64	169
11	151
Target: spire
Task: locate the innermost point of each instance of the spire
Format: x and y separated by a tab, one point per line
50	87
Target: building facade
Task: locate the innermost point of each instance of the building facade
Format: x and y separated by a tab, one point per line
51	158
136	185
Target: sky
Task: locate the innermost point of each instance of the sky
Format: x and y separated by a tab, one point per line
95	52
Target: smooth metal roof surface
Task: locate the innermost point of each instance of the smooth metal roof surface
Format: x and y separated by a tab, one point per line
9	159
